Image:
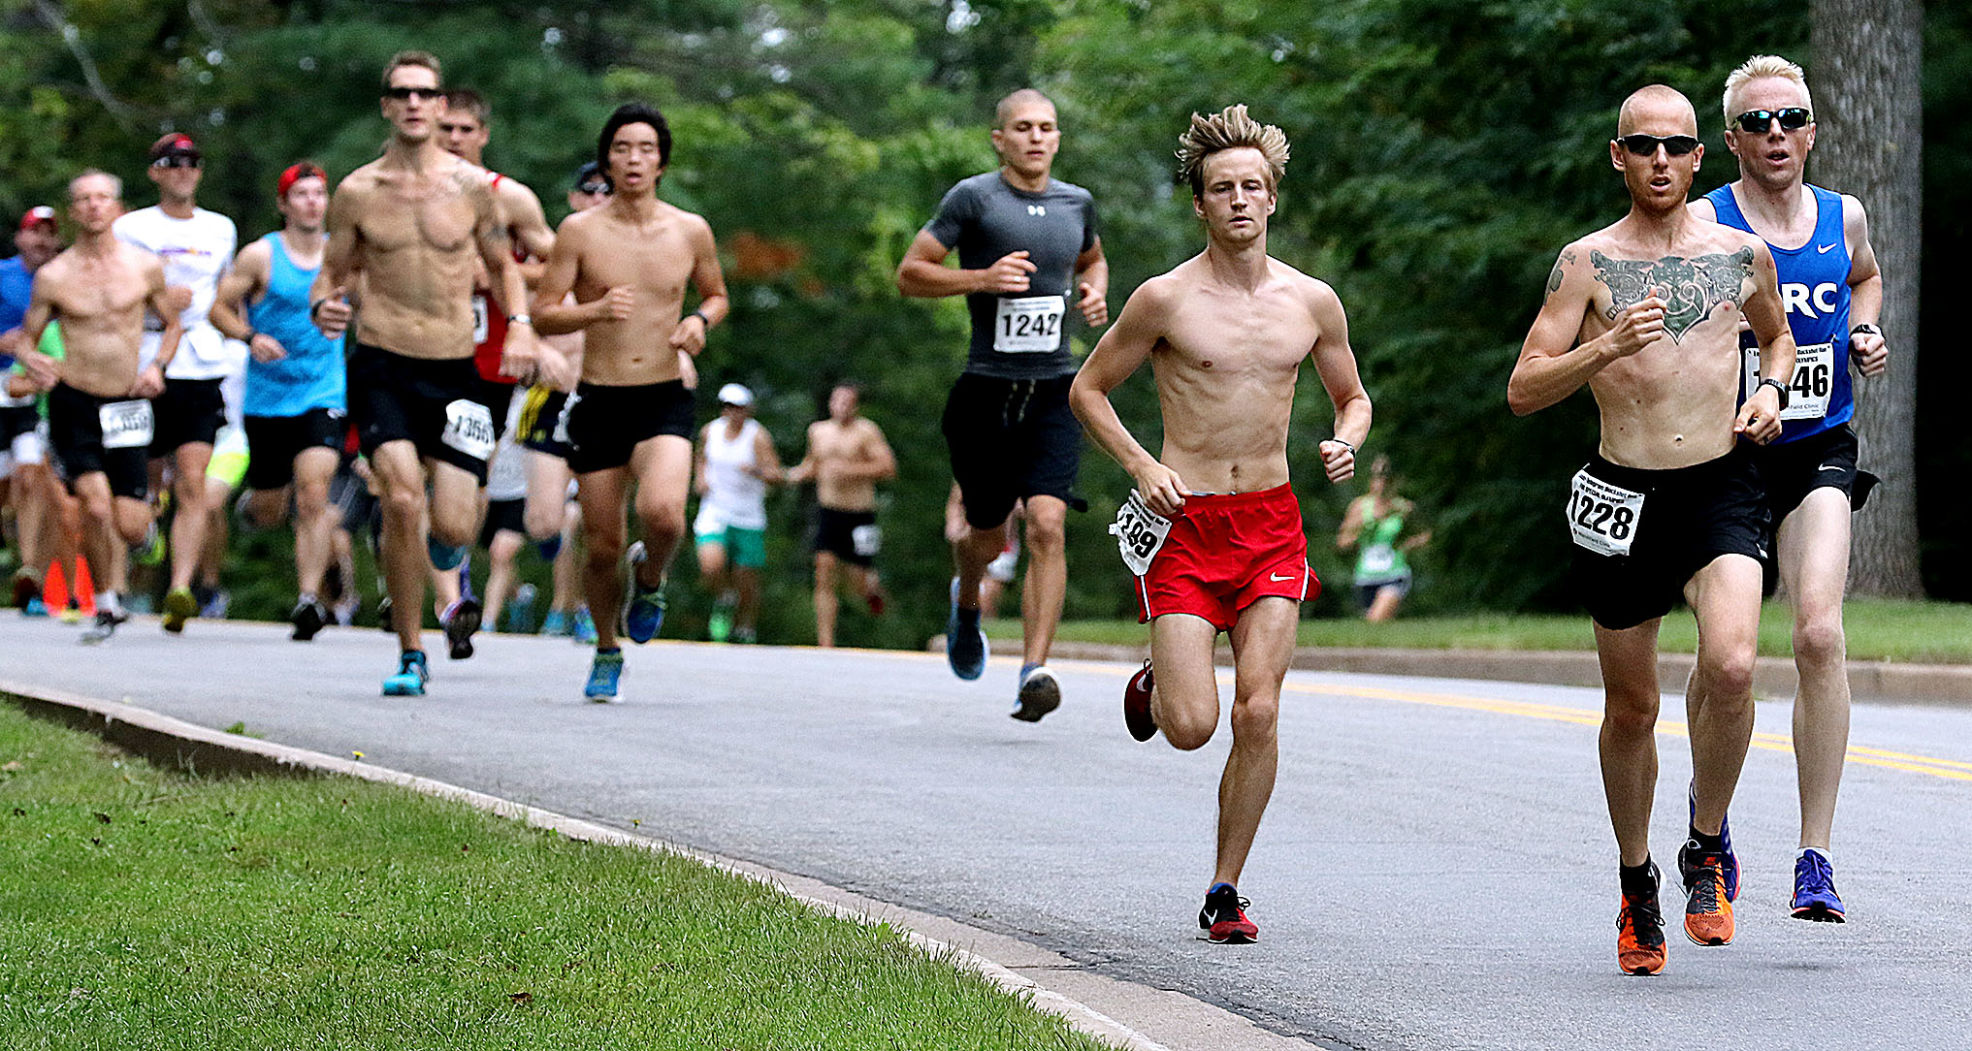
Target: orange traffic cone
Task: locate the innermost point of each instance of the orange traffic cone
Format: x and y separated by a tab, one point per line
85	588
54	588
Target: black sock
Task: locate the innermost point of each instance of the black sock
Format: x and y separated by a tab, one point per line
1708	844
1638	880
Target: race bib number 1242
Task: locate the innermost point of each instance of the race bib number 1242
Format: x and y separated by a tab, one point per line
1029	325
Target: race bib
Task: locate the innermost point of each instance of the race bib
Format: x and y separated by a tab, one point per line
126	424
1379	559
469	429
1602	517
865	540
1030	325
482	326
1139	533
1814	380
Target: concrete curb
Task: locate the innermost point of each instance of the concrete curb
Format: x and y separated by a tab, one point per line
1882	682
1181	1020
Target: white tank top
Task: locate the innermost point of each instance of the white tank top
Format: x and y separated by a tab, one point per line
736	496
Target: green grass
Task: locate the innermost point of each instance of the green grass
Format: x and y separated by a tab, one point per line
1878	629
145	908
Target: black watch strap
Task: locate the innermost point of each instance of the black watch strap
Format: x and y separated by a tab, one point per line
1778	386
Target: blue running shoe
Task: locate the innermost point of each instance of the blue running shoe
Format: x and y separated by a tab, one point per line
1688	869
1814	889
604	673
444	557
965	644
410	678
584	632
35	608
555	623
644	616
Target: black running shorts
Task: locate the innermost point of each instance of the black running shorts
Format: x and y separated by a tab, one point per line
605	424
275	441
75	430
541	427
503	516
1792	470
1011	439
851	536
1673	524
432	403
188	412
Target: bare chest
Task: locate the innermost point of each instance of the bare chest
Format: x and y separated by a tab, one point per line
1699	290
100	291
659	263
1263	339
412	214
833	442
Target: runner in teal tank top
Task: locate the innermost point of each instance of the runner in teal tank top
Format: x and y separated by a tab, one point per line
1374	526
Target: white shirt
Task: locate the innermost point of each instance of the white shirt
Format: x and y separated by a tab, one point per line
196	253
739	499
506	476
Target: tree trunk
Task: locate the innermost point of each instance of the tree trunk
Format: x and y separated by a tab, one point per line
1868	92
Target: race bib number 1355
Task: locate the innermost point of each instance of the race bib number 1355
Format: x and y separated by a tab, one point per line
469	429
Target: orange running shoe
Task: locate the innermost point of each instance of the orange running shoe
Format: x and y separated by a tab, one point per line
1640	932
1707	909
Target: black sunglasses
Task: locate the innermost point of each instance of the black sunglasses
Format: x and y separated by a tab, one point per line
405	94
177	160
1757	121
1646	145
593	188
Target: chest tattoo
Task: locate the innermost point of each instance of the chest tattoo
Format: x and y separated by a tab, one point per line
1691	288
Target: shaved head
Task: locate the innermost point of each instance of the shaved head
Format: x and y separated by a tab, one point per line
1656	102
1024	97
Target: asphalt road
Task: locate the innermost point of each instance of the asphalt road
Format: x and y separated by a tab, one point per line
1436	870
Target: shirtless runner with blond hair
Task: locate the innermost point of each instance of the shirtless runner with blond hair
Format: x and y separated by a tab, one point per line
1212	531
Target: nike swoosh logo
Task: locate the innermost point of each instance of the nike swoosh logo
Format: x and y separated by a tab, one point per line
1831	467
1824	249
1277	578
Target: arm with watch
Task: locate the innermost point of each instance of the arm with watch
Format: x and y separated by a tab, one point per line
1759	418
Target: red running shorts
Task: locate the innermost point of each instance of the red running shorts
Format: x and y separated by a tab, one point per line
1224	552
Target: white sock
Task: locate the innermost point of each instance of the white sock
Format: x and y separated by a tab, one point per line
1818	850
107	600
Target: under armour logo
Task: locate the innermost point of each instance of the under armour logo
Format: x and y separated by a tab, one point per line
1037	209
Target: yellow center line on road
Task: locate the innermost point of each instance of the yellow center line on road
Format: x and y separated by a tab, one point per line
1949	769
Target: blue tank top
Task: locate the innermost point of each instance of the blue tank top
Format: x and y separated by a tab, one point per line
1814	286
311	376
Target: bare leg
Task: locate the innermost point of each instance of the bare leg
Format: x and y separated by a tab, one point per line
568	569
971	554
713	569
314	519
1384	606
92	491
825	600
1725	595
401	493
747	582
189	522
1263	643
1185	701
663	466
604	526
1628	742
218	533
500	571
1047	575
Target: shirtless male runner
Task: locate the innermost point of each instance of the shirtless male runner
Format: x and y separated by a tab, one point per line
405	233
631	418
847	455
1028	247
1646	313
1212	531
99	411
1833	292
296	402
27	483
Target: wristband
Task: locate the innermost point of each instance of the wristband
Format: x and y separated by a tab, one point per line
249	337
520	319
700	314
316	307
1340	441
1866	329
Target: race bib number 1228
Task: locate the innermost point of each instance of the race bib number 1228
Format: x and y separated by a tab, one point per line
1602	517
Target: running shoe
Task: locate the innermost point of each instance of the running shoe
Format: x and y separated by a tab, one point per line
643	617
410	678
745	636
555	624
1224	916
584	632
35	608
444	557
604	673
216	605
383	616
1136	705
719	627
1707	910
965	641
149	551
461	619
1039	694
1814	889
309	617
877	600
105	626
1640	932
1725	838
180	605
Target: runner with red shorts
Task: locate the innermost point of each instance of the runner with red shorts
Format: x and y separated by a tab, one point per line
1212	530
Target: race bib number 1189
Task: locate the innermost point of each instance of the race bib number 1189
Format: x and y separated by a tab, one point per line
1139	533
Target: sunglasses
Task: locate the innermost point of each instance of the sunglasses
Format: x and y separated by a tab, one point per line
406	94
177	160
1757	121
593	188
1646	145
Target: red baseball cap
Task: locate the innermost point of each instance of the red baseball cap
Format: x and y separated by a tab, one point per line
296	173
39	215
175	144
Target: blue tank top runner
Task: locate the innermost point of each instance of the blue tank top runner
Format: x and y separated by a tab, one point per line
311	376
1814	287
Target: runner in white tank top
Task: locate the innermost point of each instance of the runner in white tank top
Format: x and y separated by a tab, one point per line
734	465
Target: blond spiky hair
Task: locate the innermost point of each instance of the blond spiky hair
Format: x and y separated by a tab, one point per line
1763	66
1229	129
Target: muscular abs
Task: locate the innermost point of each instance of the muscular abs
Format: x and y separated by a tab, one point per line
658	263
418	256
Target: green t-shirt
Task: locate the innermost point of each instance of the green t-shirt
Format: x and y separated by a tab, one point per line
1378	559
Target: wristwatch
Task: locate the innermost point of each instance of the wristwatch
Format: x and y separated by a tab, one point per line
1777	385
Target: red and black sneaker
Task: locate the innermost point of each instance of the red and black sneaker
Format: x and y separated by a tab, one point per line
1224	916
1136	705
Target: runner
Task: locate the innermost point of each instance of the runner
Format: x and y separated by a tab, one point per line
847	455
99	414
295	387
554	517
735	464
1213	531
1646	312
631	419
999	572
1374	524
503	528
1834	296
406	232
26	483
463	131
1026	243
196	246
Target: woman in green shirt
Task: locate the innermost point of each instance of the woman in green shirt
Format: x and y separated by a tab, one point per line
1374	525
